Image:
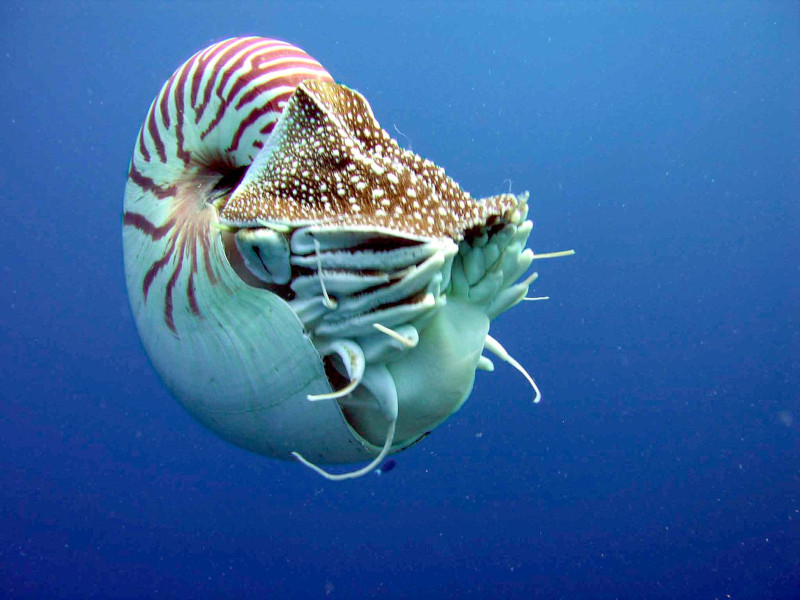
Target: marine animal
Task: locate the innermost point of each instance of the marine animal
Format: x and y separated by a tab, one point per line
305	287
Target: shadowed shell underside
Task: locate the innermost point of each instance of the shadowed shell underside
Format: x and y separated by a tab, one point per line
304	286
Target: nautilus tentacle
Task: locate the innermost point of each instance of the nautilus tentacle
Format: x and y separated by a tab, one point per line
304	286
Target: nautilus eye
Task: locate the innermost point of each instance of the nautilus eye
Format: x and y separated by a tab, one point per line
304	286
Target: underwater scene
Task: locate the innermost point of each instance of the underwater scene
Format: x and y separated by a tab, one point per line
400	300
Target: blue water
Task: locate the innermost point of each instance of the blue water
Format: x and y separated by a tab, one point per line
660	140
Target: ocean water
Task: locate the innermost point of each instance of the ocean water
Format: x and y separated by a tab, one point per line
660	140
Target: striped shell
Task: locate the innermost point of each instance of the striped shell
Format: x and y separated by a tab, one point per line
304	286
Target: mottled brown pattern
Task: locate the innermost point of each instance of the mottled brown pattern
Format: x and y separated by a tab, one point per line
333	164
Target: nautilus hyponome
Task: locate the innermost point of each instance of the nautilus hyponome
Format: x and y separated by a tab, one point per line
304	286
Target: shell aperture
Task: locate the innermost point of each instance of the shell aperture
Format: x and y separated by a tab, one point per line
337	290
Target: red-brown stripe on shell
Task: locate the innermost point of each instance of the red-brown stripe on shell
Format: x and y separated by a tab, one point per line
210	118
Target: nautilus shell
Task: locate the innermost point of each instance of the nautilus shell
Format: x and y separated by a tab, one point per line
304	286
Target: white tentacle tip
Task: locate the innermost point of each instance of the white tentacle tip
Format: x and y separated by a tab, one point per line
406	342
335	395
493	346
553	254
387	445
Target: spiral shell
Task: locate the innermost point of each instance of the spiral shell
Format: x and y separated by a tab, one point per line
304	286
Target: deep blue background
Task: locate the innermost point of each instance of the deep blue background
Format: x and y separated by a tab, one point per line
659	140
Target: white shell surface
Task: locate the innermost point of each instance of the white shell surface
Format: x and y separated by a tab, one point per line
246	368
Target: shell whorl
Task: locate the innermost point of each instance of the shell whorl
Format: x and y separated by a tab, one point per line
206	125
204	327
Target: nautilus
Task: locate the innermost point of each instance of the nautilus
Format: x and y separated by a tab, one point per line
304	286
